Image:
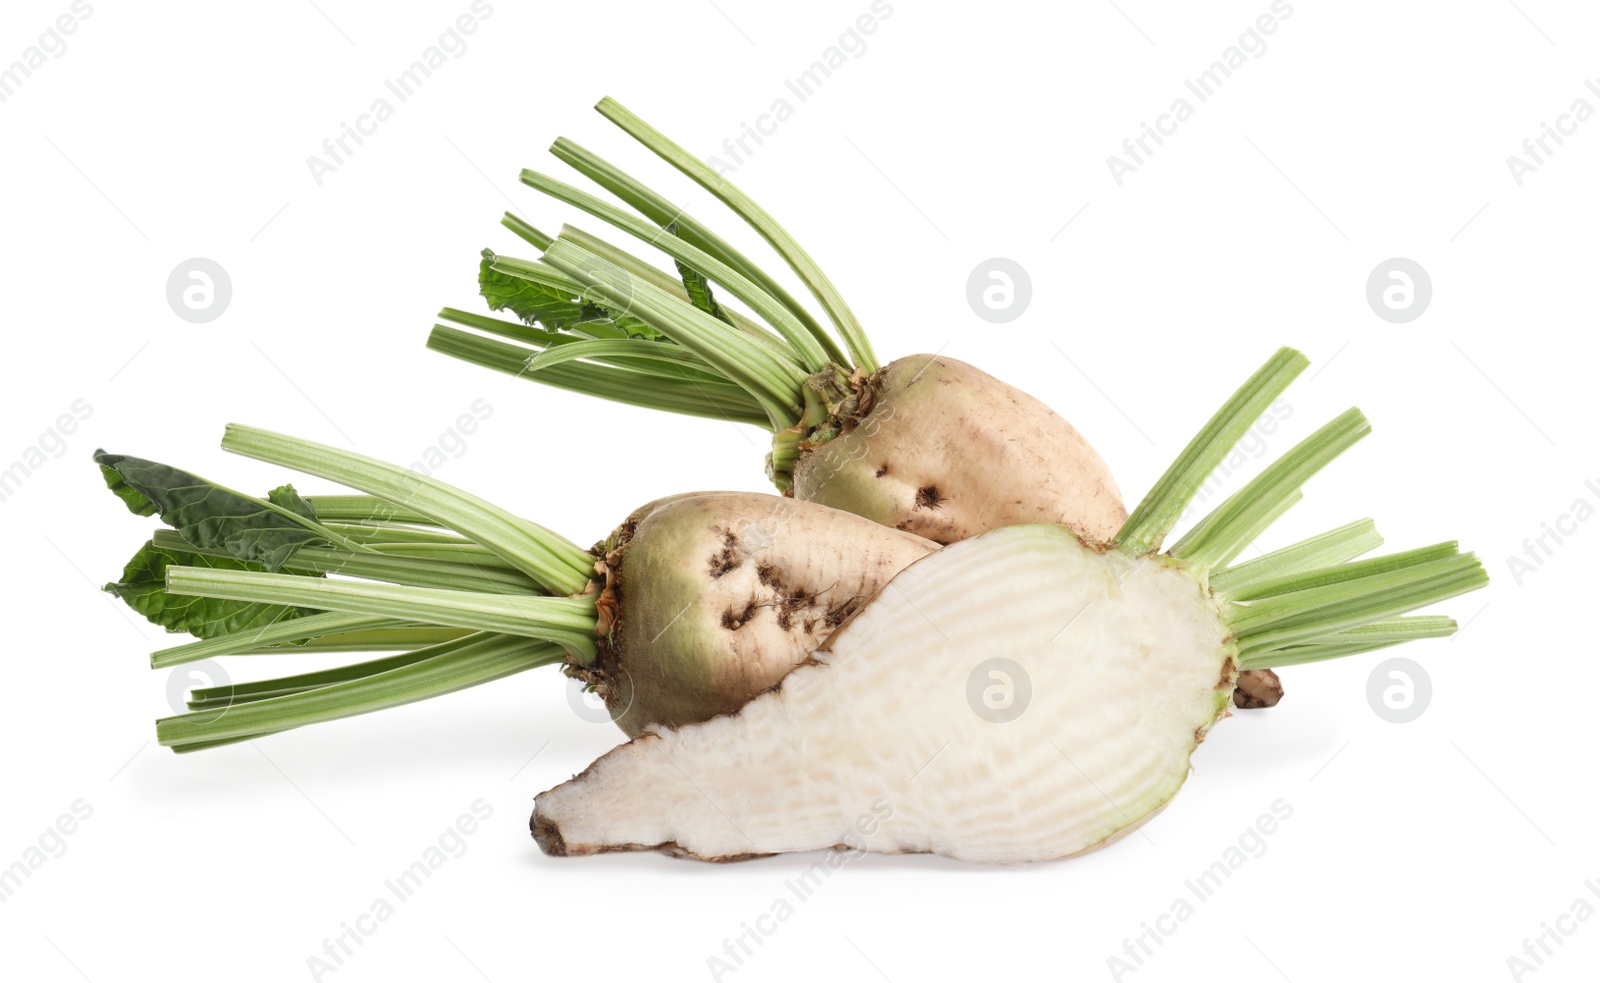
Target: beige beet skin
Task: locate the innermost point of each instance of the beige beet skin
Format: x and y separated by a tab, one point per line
733	590
948	451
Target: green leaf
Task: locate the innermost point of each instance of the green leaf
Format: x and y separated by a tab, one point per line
698	287
552	307
700	295
626	323
285	497
209	516
143	588
131	497
531	302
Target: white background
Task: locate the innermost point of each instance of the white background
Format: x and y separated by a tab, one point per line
1365	131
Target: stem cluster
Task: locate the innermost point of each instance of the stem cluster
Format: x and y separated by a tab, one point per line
598	319
464	593
1307	601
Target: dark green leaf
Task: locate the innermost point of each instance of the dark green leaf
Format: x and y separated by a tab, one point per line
136	502
286	498
212	517
143	588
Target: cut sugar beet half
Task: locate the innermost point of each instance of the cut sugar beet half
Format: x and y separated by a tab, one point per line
1020	696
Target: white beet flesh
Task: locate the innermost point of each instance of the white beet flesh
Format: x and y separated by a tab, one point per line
1128	663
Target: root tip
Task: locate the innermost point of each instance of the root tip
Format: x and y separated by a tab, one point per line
547	834
1257	689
